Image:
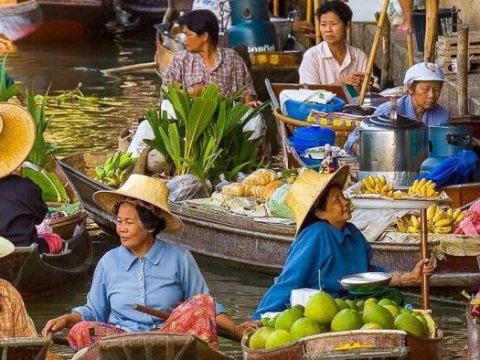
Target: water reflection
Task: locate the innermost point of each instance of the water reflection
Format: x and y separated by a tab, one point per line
64	67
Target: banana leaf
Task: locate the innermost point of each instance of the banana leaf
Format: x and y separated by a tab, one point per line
6	91
52	188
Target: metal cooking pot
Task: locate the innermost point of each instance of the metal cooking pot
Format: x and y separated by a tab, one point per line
394	148
283	28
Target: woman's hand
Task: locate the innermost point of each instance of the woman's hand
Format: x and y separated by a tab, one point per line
195	90
249	324
423	266
251	101
60	323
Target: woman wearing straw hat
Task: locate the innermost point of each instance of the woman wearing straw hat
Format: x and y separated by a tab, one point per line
147	271
21	204
327	247
14	320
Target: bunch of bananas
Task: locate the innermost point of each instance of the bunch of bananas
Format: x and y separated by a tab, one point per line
423	188
378	185
116	169
438	221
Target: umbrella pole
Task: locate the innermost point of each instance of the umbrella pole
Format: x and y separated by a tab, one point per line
424	255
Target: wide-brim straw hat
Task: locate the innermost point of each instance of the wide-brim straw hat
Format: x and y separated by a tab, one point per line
6	247
145	188
308	188
17	135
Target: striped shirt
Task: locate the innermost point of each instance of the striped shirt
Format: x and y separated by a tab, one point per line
14	320
230	72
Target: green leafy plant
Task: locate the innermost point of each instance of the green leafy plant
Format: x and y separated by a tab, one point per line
206	139
7	91
43	151
52	188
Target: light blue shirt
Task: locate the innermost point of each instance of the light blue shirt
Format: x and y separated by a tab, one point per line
437	115
320	247
164	278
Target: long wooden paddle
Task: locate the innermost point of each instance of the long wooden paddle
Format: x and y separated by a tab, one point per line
424	255
373	52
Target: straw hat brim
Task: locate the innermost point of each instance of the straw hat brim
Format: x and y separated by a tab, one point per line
108	199
308	188
17	136
6	247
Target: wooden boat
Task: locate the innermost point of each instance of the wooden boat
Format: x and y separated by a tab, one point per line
18	20
24	348
263	247
33	273
151	345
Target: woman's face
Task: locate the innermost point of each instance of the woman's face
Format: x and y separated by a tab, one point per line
131	231
193	41
337	209
426	93
332	28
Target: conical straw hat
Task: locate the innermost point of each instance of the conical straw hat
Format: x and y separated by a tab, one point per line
148	189
6	247
17	135
310	186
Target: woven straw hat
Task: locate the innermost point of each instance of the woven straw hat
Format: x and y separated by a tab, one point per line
17	135
309	186
145	188
6	247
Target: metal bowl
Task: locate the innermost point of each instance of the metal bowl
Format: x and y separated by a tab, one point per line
366	281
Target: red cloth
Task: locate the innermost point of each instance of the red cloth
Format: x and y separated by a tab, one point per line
195	316
470	225
54	242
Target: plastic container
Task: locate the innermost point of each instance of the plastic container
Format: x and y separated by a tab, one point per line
419	19
300	110
311	136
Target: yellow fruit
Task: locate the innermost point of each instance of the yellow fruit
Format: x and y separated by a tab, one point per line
450	213
413	188
442	230
430	192
383	180
415	222
390	194
443	222
432	209
422	183
371	179
456	213
460	217
412	230
438	215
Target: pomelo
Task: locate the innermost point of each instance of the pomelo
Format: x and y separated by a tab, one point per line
360	304
385	301
393	310
300	307
410	324
405	311
265	321
371	326
379	315
277	338
342	304
271	322
347	319
352	304
287	317
369	302
321	307
259	337
304	327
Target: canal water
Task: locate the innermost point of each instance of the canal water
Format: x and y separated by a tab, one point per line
62	68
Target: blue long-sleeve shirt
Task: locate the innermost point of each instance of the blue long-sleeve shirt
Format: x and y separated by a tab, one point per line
435	116
164	278
320	247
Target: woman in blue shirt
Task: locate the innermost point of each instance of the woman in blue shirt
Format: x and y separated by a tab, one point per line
146	271
327	247
424	82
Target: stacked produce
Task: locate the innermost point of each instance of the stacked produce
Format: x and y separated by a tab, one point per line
439	221
260	184
379	185
322	313
116	169
423	188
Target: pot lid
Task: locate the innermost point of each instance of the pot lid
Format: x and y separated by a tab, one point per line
383	122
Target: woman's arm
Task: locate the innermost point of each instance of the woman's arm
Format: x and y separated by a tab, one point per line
224	322
413	277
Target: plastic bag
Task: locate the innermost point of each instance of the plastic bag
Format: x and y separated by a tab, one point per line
457	169
185	187
277	205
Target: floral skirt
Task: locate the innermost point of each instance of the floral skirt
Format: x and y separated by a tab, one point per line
195	316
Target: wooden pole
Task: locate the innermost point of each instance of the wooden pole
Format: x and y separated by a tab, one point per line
373	52
276	8
462	70
309	12
424	255
130	68
386	55
431	30
318	34
410	59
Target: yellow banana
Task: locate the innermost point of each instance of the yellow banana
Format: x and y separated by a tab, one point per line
438	215
371	179
442	230
431	211
456	213
460	217
390	194
430	192
412	230
383	180
450	213
413	188
422	183
415	222
443	222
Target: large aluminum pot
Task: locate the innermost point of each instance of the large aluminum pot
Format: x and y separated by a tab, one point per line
283	28
395	149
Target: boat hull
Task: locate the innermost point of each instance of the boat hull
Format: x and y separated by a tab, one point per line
25	348
258	246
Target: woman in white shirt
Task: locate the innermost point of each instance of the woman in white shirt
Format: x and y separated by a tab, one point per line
333	61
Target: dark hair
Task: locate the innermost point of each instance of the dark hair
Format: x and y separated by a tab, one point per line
151	222
337	7
201	22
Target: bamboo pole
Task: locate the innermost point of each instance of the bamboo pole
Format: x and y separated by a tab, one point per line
318	34
386	55
373	52
309	12
431	30
462	70
424	255
128	68
276	8
410	59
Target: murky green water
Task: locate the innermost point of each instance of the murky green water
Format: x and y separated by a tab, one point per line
64	66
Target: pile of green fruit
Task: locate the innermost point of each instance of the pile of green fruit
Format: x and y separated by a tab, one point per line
116	169
322	313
